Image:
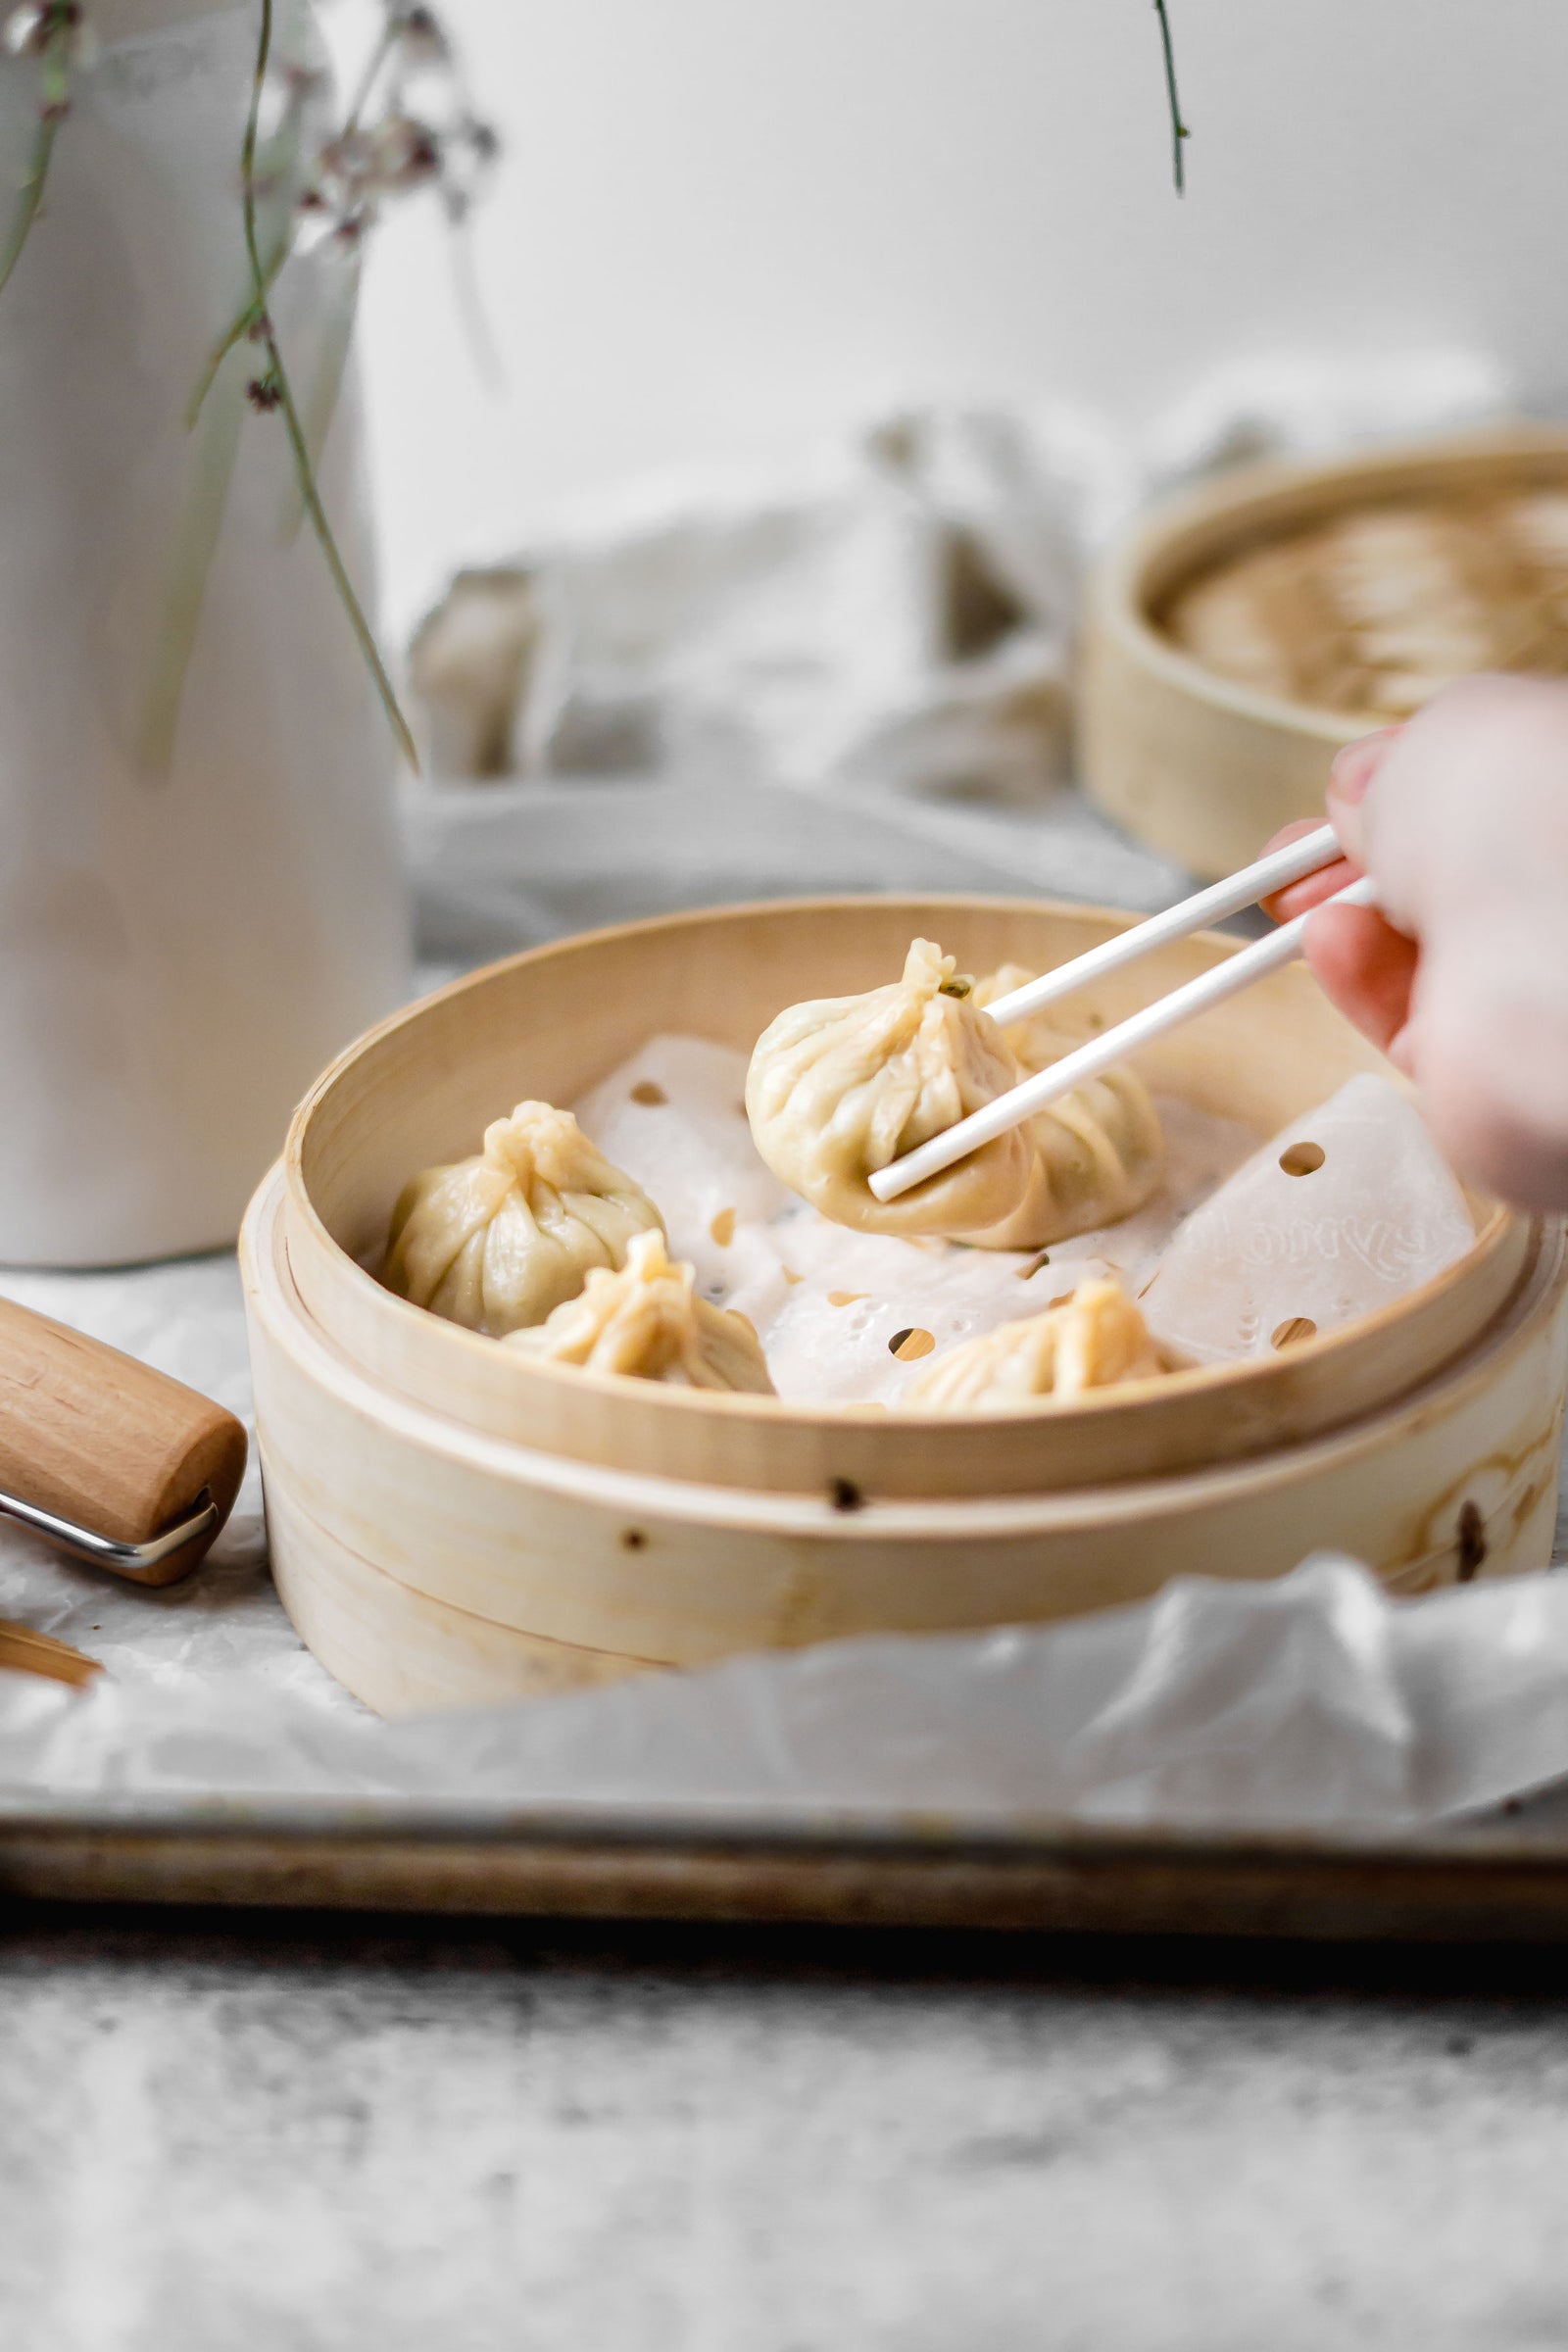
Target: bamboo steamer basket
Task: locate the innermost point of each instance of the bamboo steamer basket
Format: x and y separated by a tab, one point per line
451	1525
1203	767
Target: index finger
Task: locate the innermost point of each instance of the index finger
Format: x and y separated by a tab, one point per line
1299	898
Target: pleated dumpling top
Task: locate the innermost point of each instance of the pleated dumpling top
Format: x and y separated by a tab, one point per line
841	1086
498	1241
1096	1340
647	1323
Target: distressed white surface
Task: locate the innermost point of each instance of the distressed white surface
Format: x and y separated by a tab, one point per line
323	2141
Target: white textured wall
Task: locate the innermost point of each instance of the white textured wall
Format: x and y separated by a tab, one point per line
724	221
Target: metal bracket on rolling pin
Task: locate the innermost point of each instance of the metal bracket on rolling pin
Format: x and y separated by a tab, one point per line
103	1552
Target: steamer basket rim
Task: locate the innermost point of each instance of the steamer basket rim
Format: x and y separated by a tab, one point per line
1218	1380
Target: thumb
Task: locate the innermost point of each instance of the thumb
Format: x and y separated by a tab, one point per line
1349	780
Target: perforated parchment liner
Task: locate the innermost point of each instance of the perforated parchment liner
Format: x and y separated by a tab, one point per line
1276	1251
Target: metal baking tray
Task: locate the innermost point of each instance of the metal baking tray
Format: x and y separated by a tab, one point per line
1505	1884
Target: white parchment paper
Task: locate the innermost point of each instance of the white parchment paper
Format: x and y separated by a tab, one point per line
1313	1702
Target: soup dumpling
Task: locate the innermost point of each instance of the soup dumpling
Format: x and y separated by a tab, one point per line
647	1323
1094	1339
839	1087
1100	1149
496	1241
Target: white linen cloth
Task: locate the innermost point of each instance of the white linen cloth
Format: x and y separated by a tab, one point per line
852	671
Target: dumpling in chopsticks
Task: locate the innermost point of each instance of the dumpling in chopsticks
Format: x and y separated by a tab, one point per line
1096	1340
839	1087
496	1241
1101	1150
648	1322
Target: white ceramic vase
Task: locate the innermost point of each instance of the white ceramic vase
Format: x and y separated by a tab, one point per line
195	913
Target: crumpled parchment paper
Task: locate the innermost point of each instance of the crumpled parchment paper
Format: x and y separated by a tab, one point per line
1313	1702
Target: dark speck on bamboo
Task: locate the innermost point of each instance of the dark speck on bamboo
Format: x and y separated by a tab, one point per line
1472	1542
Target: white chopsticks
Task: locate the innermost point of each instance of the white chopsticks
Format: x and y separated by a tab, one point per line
1227	979
1290	864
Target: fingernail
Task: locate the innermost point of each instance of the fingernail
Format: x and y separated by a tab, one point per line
1356	765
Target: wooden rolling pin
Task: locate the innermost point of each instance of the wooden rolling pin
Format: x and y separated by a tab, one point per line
117	1464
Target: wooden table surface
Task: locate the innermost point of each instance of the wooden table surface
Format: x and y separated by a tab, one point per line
229	2135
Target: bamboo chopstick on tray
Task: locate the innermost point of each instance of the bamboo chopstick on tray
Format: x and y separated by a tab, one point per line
23	1650
1269	874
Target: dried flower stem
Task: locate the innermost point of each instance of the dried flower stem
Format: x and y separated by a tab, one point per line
52	111
1178	128
32	196
324	390
384	46
282	395
197	532
238	328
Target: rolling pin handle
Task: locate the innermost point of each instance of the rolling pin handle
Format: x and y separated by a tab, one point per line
118	1464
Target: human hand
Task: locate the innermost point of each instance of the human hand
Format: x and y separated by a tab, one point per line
1461	975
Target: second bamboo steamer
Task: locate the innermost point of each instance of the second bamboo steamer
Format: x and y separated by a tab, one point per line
1452	557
